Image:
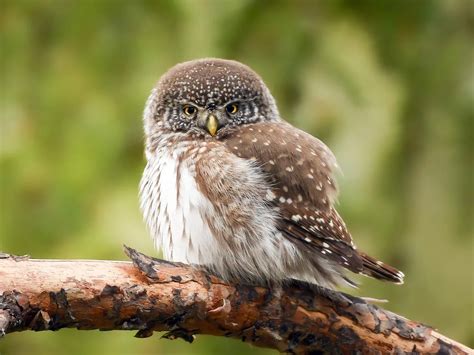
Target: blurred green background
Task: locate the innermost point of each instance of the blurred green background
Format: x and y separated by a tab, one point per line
389	85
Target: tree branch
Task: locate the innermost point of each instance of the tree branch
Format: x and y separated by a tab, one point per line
155	295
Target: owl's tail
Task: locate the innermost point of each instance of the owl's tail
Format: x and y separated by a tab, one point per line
379	270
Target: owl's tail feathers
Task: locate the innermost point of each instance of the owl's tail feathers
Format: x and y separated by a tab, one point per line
379	270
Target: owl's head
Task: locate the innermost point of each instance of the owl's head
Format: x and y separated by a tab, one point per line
207	97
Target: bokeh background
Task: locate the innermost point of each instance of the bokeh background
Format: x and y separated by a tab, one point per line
389	85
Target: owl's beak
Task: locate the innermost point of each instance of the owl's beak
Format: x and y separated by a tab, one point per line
212	124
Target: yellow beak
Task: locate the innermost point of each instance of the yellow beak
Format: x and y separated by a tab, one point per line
212	125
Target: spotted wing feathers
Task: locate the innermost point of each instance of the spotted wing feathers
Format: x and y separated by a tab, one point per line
298	165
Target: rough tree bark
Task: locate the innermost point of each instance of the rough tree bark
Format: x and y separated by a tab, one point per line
155	295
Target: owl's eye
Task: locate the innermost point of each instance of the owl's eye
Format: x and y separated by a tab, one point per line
189	110
232	108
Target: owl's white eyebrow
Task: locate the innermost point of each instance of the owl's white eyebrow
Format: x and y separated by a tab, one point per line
253	98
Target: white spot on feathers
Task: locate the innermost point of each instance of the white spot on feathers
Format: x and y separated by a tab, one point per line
296	217
270	196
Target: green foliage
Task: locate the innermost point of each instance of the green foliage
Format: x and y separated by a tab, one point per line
388	85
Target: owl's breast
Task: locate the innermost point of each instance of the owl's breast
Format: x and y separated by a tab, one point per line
174	208
204	205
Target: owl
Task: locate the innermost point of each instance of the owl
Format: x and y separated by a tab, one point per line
232	187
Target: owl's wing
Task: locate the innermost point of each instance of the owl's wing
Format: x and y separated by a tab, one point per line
300	170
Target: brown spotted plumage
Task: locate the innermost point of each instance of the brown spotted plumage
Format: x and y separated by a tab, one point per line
231	186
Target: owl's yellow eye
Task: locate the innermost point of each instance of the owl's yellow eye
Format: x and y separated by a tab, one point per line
232	108
189	110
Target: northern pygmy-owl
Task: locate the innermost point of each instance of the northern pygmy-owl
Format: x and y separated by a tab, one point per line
233	187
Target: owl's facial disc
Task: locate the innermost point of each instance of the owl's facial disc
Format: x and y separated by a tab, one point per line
208	95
